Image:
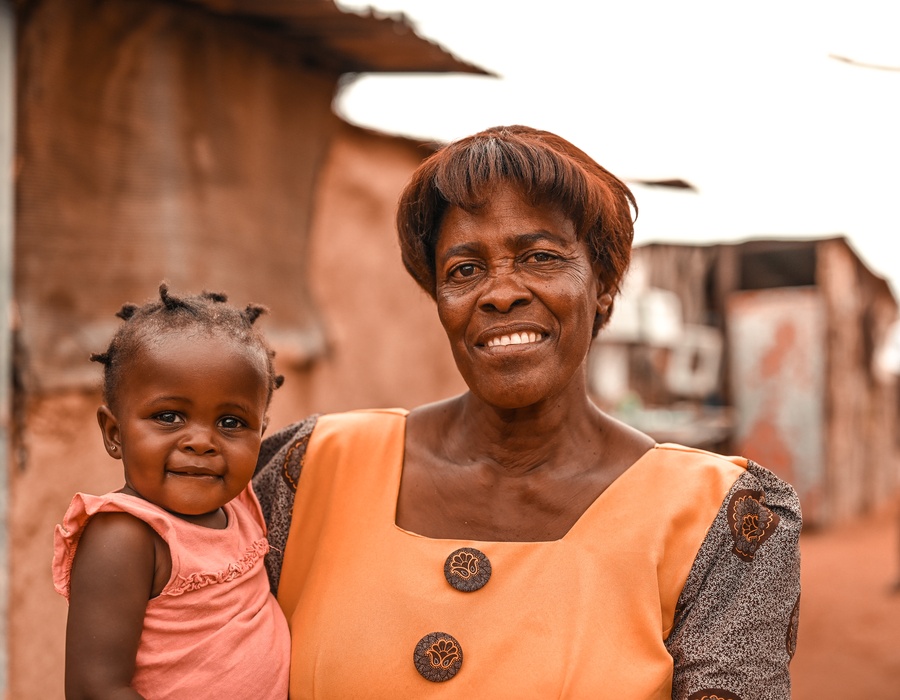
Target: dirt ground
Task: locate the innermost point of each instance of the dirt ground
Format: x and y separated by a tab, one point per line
849	639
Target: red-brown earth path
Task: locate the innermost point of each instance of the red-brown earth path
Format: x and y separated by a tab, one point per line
849	640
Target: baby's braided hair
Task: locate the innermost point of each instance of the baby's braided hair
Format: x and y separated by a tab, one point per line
207	310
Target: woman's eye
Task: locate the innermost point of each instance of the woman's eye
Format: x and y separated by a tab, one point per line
542	257
168	417
231	423
464	270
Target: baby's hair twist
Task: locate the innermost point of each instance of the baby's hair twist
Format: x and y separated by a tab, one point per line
207	311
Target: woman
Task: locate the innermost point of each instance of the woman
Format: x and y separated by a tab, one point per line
515	541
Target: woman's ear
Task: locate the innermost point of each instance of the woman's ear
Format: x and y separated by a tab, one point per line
112	436
604	301
604	297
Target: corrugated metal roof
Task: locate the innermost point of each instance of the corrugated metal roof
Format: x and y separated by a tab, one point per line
349	42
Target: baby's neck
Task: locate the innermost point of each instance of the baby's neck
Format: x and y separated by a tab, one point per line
217	520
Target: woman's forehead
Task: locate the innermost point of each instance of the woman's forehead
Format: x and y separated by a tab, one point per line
506	212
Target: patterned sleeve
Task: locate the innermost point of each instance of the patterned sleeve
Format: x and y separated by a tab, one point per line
735	627
275	483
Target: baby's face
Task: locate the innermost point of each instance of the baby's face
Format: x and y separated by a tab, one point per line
189	418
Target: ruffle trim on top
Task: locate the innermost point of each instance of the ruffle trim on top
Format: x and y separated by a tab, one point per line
236	569
63	557
67	535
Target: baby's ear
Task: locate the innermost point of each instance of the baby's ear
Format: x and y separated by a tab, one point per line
109	428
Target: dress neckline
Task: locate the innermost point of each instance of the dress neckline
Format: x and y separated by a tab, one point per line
397	474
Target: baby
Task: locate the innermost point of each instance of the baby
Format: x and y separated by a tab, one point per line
167	589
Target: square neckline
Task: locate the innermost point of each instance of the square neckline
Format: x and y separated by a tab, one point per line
397	476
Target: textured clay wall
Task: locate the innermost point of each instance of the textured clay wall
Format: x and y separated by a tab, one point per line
154	140
63	455
382	346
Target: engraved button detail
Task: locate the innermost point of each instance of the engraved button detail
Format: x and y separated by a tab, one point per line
438	657
467	569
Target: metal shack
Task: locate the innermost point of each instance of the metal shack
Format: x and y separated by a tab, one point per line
767	348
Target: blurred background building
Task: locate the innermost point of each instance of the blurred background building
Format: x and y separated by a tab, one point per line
774	349
195	141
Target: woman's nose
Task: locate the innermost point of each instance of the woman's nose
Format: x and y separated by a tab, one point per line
503	291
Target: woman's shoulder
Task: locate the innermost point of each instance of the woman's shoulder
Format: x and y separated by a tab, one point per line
285	436
281	460
295	436
749	476
742	592
758	514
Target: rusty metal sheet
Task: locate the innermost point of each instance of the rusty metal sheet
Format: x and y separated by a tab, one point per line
777	353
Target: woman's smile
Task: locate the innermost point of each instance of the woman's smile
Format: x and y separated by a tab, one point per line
526	338
518	336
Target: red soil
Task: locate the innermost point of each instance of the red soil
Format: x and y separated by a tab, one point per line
849	640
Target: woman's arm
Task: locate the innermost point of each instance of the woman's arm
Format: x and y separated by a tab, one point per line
275	484
736	621
112	580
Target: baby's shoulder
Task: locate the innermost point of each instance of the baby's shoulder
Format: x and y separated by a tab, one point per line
106	540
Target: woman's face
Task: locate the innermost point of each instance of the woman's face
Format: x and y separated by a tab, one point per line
517	295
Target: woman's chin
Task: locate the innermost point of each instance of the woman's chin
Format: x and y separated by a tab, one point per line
515	398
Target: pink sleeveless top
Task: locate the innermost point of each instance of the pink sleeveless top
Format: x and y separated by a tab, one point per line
374	614
215	630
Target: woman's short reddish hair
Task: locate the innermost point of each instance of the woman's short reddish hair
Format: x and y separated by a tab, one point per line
547	169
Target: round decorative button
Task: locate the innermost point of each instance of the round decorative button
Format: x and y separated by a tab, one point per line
438	657
467	569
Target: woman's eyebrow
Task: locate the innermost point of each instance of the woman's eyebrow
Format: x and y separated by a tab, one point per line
538	236
461	249
520	239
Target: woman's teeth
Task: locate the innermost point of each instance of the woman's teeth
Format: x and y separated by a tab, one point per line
513	339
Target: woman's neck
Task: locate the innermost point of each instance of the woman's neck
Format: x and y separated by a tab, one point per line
473	471
518	440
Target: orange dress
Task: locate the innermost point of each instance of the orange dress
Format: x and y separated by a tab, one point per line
586	616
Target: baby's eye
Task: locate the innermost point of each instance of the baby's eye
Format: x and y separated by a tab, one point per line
231	423
168	417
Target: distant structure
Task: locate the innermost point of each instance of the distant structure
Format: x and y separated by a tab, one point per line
775	349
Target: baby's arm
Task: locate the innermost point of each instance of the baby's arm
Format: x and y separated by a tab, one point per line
112	580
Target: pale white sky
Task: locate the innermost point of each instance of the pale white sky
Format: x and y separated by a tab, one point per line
740	99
